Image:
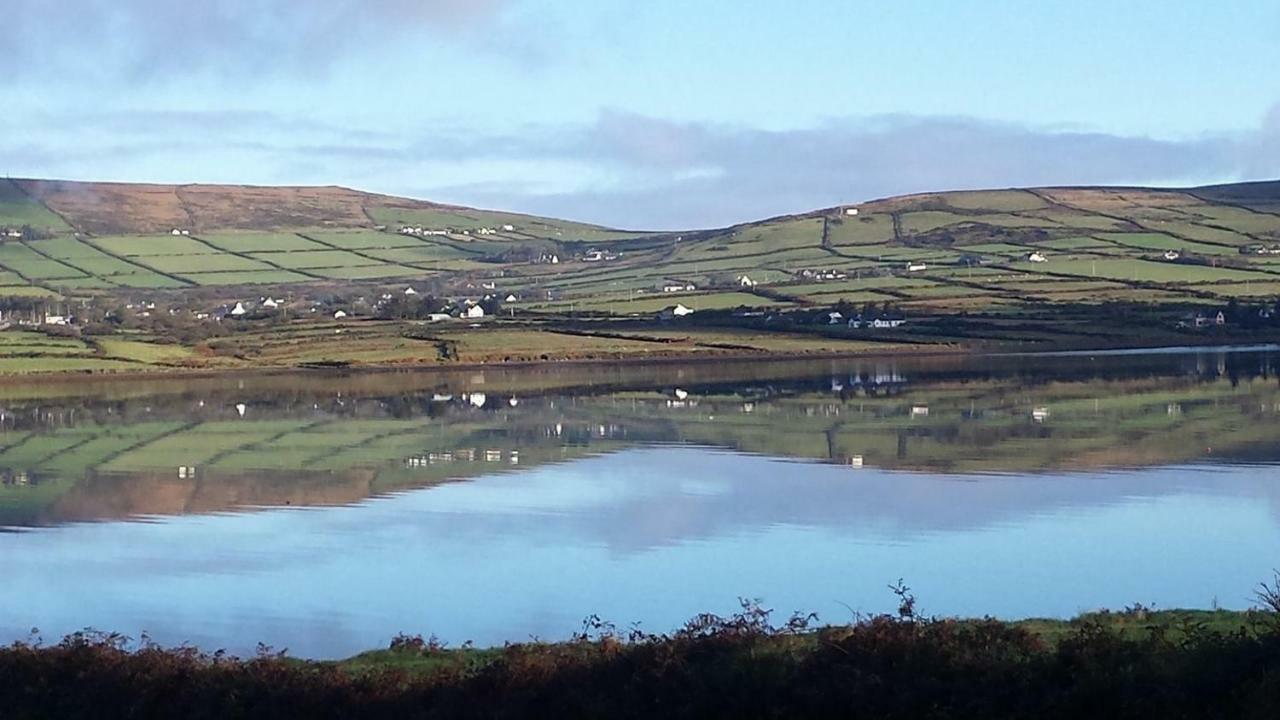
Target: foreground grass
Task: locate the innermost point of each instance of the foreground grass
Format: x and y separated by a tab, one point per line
1132	664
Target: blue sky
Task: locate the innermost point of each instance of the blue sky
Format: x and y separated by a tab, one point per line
653	114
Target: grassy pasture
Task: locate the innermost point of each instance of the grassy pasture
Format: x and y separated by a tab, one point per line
853	296
144	352
1140	270
86	257
28	366
1159	241
922	221
998	249
26	291
468	219
31	264
1239	219
1243	290
309	259
700	301
1073	243
16	210
260	242
151	245
369	272
204	263
861	230
147	281
364	239
1198	232
426	253
254	277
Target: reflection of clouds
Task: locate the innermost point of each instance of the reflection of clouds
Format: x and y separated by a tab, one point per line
639	499
652	534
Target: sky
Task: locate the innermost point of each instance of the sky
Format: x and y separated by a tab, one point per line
642	113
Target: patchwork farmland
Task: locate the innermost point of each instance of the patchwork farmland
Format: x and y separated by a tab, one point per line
958	249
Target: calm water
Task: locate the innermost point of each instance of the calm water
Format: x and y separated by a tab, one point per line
326	513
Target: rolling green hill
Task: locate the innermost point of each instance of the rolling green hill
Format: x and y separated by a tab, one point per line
1018	268
958	249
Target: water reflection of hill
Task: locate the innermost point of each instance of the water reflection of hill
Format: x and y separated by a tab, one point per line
168	447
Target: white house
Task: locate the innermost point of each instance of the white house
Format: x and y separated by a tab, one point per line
851	211
881	323
14	233
270	303
475	311
916	267
339	314
56	320
746	281
410	291
238	310
1037	257
675	311
509	228
835	318
510	299
175	231
1172	254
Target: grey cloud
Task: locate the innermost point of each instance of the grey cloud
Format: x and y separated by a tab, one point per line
650	173
687	174
151	38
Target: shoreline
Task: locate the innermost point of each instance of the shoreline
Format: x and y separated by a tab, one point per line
689	358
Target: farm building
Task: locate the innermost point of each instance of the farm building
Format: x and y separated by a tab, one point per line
879	322
475	311
1037	257
238	310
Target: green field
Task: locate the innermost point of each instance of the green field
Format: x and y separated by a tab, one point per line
971	242
17	210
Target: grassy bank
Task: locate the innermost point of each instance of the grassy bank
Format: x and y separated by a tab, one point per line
1136	663
370	343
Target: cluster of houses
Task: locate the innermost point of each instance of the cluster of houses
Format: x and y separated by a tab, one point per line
594	255
13	233
882	321
820	275
1200	320
677	286
1260	249
419	231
